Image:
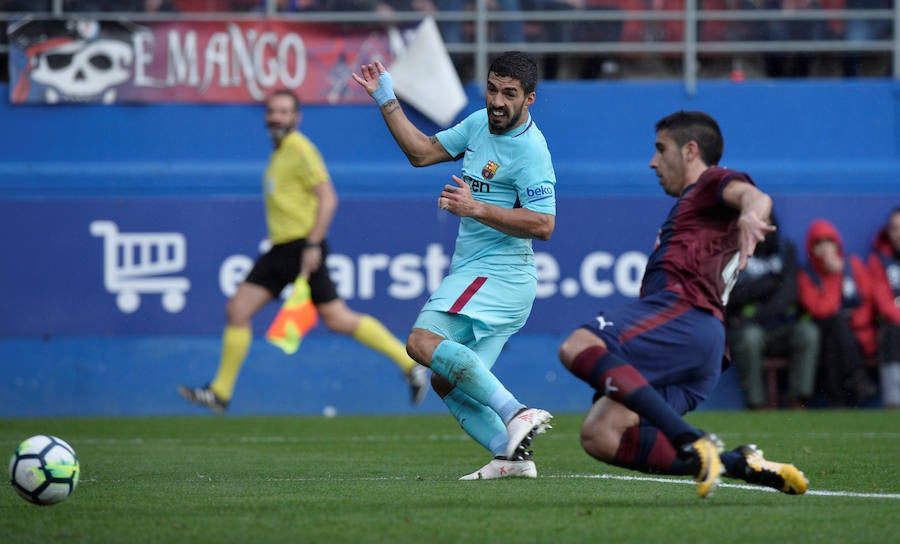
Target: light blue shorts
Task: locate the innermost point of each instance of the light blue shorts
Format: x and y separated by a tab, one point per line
497	302
458	328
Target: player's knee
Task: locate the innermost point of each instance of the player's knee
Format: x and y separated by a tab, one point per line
565	353
418	355
420	345
414	346
597	443
440	385
576	344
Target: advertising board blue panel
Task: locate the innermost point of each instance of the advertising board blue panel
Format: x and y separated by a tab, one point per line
143	266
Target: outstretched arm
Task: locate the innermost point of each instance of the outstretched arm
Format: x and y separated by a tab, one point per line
755	207
419	149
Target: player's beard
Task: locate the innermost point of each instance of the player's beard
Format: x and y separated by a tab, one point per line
278	132
512	119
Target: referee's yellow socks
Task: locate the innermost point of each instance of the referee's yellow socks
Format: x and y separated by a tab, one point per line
373	334
235	345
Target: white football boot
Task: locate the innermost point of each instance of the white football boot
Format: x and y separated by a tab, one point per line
504	468
523	427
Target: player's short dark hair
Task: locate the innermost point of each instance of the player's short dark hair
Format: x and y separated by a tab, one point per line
289	93
519	66
685	126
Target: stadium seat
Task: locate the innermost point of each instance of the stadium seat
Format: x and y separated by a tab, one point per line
772	366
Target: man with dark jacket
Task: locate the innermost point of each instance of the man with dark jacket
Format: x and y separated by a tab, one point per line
884	269
764	319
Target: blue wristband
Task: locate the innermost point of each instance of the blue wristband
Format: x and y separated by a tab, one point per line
385	90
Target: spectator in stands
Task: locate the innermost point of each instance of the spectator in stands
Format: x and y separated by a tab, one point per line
386	8
26	5
292	6
81	6
748	30
511	31
787	29
605	31
150	6
884	267
350	5
863	30
381	7
85	5
839	299
764	319
555	31
159	6
451	31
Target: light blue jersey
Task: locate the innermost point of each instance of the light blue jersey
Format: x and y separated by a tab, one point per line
509	170
492	277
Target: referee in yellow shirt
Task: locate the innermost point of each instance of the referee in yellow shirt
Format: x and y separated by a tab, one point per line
300	203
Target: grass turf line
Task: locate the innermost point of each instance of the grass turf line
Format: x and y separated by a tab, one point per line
394	479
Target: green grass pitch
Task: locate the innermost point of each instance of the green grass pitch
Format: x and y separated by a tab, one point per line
394	480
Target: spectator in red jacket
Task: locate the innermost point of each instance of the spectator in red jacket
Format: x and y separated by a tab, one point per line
884	269
839	298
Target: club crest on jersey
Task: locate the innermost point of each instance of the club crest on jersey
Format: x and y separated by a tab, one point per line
489	169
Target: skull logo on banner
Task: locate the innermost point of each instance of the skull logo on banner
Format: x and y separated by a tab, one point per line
70	60
83	71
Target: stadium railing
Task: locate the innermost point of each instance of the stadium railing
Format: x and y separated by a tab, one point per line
690	32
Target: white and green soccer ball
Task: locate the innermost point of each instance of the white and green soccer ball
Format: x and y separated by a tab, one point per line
44	469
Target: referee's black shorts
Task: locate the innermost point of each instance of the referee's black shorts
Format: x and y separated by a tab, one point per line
281	264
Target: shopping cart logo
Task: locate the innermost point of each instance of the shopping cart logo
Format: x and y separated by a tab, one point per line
137	263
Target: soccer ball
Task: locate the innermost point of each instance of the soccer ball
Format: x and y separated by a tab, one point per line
44	469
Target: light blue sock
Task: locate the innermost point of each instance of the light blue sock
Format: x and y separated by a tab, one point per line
505	404
462	368
479	421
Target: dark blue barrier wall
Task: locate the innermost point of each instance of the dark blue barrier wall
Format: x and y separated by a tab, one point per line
80	335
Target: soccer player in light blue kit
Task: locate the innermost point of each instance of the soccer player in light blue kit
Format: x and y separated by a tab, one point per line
504	199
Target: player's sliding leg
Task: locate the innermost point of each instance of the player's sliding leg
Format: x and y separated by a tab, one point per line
646	449
610	375
747	463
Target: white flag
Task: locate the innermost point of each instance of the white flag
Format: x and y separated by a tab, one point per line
424	76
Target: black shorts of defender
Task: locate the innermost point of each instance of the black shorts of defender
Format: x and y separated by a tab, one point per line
280	266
